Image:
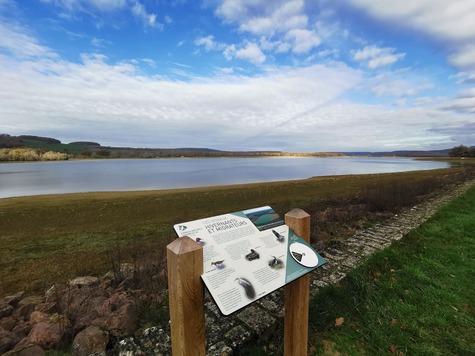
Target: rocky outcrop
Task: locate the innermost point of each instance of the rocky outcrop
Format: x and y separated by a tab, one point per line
87	310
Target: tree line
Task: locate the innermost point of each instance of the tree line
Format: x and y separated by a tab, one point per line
462	151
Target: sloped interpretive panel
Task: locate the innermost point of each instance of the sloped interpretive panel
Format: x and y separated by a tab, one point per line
248	254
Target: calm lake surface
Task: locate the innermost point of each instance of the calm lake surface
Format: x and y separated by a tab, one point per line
21	179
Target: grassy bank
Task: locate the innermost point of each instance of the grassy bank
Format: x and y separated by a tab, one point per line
414	298
48	239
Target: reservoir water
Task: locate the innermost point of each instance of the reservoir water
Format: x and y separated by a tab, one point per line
34	178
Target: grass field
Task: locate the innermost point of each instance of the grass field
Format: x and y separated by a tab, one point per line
414	298
50	239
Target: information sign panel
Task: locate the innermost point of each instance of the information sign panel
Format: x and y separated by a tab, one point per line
248	254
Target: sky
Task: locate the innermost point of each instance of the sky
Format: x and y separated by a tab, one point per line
240	75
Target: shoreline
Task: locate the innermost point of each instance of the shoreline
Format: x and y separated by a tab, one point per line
147	182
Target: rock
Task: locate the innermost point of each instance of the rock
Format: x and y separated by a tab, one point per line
37	316
24	311
5	309
108	276
121	323
13	299
22	328
220	349
26	306
127	270
84	281
47	307
32	299
153	341
257	320
127	283
26	350
89	341
92	312
7	323
46	335
7	340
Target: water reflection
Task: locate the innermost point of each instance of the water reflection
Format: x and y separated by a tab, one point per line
20	179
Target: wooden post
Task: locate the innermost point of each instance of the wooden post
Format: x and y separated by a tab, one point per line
297	294
185	292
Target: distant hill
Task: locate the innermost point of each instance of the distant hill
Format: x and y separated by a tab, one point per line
403	153
95	150
44	143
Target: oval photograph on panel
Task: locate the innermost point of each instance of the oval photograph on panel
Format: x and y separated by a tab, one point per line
303	254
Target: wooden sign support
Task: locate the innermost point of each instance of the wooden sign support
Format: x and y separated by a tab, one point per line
297	294
186	296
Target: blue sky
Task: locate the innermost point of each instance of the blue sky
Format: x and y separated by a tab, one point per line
297	76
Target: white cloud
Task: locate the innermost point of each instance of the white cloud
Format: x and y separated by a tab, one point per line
277	16
106	5
465	77
449	22
252	53
71	6
302	40
279	25
16	40
208	43
229	52
99	42
465	57
248	51
463	102
104	101
384	60
148	19
262	16
94	8
376	57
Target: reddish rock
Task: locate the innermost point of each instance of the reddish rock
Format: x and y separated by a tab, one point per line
121	323
89	341
46	335
56	293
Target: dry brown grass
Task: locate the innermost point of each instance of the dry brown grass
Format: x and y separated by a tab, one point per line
48	239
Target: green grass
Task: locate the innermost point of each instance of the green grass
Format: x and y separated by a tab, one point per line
57	147
414	298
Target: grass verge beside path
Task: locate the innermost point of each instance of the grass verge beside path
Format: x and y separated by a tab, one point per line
414	298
